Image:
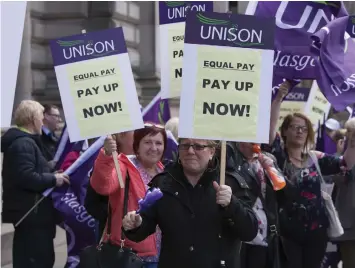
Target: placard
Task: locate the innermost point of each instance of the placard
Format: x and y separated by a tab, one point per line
96	84
172	16
227	81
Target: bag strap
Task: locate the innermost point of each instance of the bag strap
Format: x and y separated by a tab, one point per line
314	158
125	207
125	202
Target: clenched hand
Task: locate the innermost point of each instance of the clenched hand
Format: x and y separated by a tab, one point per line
223	194
131	221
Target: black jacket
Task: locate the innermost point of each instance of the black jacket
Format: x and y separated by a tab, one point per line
196	232
25	175
49	146
238	165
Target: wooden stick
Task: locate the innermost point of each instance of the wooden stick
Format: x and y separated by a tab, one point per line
223	163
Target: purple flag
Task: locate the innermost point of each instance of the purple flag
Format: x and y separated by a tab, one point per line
351	26
296	21
157	111
69	202
336	64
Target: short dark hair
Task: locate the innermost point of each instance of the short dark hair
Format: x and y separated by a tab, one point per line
149	129
48	108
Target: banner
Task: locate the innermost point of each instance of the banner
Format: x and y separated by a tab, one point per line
294	102
172	16
317	107
296	21
157	111
11	34
227	66
336	64
96	84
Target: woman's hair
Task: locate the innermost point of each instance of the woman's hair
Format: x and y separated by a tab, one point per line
287	122
149	129
26	112
173	126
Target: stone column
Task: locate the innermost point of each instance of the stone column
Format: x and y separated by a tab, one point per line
24	78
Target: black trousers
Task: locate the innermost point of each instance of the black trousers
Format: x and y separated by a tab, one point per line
33	247
252	256
308	252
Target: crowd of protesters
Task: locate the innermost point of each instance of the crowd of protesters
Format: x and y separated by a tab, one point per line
198	222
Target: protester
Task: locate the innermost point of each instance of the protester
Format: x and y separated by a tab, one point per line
264	250
173	126
51	122
345	205
304	220
202	222
26	175
149	144
96	204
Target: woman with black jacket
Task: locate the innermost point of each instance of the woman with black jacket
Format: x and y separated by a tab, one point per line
265	250
202	222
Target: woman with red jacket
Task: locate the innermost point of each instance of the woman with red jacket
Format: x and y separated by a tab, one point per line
149	145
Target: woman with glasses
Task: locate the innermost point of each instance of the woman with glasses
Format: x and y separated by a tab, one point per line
149	144
202	222
303	219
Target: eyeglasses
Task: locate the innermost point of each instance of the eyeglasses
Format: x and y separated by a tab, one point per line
55	115
153	125
196	147
299	128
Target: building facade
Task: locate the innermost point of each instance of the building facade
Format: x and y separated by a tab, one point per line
46	20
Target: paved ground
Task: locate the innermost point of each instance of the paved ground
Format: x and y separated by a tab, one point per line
61	251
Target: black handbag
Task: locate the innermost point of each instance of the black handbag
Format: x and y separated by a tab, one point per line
108	255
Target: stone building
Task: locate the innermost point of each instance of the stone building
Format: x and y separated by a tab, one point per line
46	20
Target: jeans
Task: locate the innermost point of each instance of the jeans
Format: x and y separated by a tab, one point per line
150	265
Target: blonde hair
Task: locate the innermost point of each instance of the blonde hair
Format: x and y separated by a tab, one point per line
173	126
26	112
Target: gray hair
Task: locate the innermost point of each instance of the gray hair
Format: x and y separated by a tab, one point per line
27	111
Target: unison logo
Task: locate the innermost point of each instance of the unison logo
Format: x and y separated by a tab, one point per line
78	48
179	9
226	30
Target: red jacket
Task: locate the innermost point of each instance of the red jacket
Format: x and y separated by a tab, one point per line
104	181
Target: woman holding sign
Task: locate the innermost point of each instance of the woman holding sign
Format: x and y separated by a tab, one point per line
149	144
202	222
304	220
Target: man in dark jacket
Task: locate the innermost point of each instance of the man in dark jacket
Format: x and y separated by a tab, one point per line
202	222
264	250
51	122
26	175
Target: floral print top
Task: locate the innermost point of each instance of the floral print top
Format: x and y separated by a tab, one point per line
146	179
308	183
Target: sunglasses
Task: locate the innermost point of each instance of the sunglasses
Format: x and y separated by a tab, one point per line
196	147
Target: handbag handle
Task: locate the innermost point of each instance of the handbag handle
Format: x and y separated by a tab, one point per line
125	208
314	158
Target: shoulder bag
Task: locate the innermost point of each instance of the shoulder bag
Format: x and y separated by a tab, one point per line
107	254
